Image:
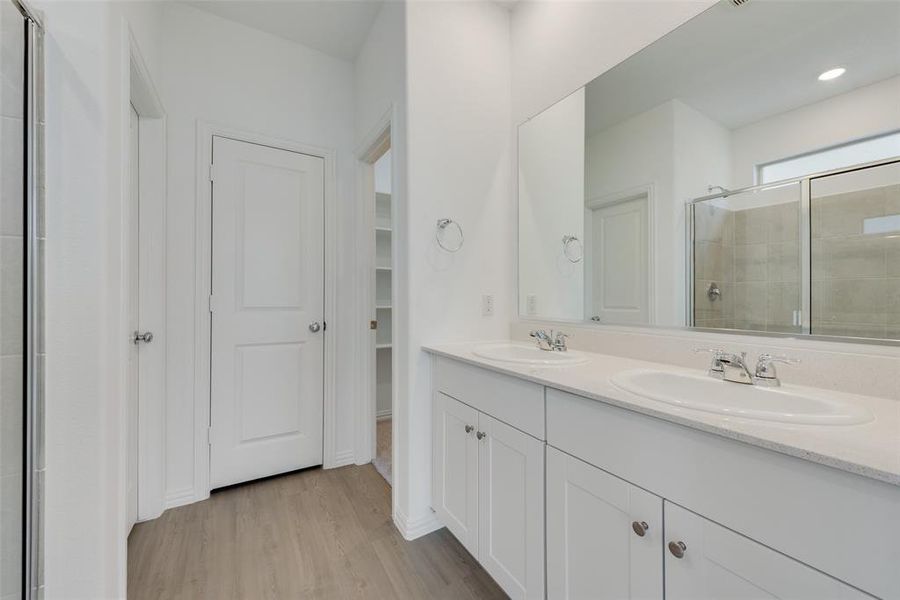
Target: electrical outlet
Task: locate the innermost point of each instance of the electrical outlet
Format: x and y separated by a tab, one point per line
487	305
531	304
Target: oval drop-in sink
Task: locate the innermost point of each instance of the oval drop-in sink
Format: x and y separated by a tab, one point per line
786	404
523	354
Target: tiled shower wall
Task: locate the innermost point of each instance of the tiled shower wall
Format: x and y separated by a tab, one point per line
753	257
855	276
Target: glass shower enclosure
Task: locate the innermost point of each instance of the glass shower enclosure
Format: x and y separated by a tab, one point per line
21	462
816	255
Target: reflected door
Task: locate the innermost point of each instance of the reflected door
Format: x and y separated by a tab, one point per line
267	307
620	278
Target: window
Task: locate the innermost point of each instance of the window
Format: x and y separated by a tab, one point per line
836	157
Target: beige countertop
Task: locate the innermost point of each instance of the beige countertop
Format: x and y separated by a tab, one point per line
871	450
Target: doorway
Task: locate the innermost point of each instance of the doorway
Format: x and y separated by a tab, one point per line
267	306
384	308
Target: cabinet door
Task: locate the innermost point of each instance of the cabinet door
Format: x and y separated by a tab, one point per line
511	511
594	550
455	469
718	563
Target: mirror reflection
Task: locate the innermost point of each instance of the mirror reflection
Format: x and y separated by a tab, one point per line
716	182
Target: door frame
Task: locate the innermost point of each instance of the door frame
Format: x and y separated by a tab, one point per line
205	132
611	199
138	90
369	150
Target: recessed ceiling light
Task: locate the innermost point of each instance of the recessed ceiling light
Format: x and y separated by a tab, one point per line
832	74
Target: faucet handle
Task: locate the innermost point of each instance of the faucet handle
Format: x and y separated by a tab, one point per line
765	364
716	368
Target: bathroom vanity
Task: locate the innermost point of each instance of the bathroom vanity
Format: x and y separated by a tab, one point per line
563	484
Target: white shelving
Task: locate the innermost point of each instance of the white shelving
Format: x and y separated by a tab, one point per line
383	300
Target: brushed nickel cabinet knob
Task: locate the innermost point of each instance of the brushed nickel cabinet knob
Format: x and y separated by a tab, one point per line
470	428
481	435
640	528
677	549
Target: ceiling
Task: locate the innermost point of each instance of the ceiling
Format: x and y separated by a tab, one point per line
336	27
741	64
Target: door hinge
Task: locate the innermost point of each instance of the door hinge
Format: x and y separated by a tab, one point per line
324	325
210	302
373	324
212	172
209	436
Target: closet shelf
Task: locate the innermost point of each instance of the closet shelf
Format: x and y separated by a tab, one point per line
382	346
383	307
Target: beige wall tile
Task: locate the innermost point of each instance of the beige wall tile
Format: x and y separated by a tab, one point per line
782	300
750	262
784	262
750	302
843	214
783	222
848	257
750	226
11	295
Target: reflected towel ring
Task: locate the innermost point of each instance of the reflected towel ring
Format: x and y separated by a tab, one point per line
573	249
442	225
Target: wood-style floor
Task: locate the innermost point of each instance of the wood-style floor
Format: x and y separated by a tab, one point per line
311	534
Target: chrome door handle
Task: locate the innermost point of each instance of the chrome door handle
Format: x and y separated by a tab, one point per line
145	337
315	327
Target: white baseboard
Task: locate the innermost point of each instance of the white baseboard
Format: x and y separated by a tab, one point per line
342	459
411	529
180	498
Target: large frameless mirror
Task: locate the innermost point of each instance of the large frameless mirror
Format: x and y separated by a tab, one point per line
715	182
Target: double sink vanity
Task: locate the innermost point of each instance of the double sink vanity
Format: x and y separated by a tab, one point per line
570	474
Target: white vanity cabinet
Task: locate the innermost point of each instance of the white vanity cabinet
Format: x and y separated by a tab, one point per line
603	534
641	507
488	479
705	561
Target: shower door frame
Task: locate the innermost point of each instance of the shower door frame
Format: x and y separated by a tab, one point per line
33	258
805	255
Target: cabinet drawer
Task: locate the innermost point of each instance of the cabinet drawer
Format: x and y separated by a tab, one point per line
842	524
713	562
508	399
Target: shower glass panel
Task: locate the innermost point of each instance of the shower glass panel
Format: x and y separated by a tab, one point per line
855	231
747	269
12	298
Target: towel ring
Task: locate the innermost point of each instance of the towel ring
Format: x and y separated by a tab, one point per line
570	243
442	225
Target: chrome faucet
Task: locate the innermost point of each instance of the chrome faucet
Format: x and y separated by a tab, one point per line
728	366
766	374
550	342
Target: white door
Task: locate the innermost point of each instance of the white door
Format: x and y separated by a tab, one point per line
620	262
707	561
267	311
511	508
134	306
594	550
455	464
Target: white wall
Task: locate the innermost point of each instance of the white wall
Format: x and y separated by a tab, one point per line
866	111
222	72
551	183
459	166
86	88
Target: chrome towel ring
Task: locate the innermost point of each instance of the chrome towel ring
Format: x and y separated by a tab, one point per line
442	226
573	249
